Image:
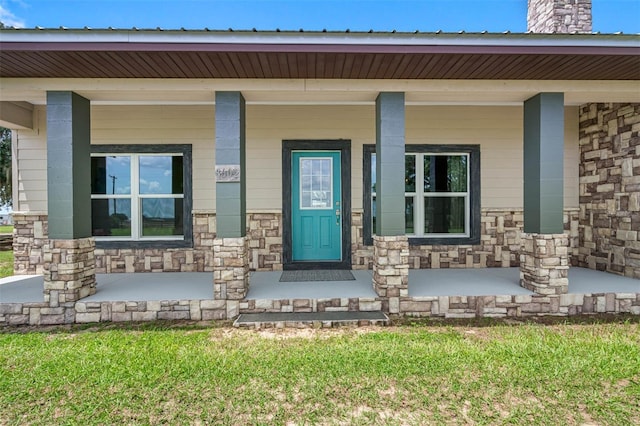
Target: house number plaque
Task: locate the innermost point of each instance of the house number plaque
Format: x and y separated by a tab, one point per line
228	173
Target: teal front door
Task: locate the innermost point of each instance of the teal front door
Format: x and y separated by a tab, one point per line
316	210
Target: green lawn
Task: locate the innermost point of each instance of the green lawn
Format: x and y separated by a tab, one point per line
6	229
525	374
6	264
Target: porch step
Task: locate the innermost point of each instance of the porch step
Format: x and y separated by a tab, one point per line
311	319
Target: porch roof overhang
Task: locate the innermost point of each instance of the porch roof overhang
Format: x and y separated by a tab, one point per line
207	54
187	67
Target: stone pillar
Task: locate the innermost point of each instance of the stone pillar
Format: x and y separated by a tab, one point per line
231	268
391	266
69	255
231	246
544	263
69	270
390	244
559	16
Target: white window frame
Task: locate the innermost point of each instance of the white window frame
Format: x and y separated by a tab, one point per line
136	198
420	194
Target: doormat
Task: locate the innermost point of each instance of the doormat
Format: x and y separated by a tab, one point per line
321	275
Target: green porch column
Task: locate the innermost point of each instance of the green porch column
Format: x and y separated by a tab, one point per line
69	263
230	165
231	253
544	261
390	244
390	123
543	163
68	165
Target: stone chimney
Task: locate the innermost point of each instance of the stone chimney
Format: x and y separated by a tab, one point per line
559	16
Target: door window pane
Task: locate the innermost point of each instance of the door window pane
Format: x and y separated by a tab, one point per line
445	173
160	174
444	215
162	216
111	217
316	183
111	175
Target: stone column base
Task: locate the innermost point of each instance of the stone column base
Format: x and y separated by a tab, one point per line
69	270
391	266
544	263
231	268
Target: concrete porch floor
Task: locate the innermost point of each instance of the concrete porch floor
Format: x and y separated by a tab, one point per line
266	285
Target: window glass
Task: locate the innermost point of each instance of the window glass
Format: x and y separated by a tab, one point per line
408	215
137	195
444	215
161	217
160	174
373	172
373	215
111	217
445	173
111	175
409	173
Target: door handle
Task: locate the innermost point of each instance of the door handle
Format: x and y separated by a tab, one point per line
338	217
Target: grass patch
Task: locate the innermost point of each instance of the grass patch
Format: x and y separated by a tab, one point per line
6	229
498	374
6	263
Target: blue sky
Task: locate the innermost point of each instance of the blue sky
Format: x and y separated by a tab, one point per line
357	15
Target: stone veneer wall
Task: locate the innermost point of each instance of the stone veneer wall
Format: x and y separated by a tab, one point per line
609	229
506	306
265	241
559	16
265	250
544	263
69	270
29	237
500	244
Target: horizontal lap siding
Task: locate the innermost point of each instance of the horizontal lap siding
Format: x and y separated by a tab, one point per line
268	126
164	124
32	165
498	130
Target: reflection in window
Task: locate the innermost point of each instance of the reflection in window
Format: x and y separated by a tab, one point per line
111	217
111	175
444	215
161	217
445	173
409	173
160	174
408	215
